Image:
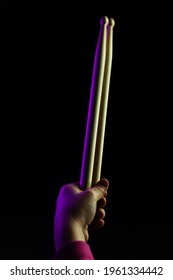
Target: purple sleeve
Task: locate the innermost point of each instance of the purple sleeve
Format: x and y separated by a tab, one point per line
77	250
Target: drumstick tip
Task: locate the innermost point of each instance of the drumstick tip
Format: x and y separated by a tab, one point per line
104	20
111	22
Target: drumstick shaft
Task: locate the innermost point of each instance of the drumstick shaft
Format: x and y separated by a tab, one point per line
103	106
94	108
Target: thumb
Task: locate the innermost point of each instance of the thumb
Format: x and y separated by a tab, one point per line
100	188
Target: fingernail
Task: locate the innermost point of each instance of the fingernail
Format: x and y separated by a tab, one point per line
103	183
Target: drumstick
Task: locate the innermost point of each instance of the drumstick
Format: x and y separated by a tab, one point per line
94	107
103	105
93	118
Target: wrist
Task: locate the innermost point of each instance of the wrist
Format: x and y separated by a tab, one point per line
67	232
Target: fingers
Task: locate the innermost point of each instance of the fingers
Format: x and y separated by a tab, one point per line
103	183
102	202
96	224
100	214
98	220
100	189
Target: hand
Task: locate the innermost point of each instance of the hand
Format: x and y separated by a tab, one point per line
76	210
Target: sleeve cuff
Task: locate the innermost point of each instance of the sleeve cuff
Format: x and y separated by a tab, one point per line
76	250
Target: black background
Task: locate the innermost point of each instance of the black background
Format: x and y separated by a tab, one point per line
47	52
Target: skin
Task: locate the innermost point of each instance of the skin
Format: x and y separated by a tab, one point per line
79	211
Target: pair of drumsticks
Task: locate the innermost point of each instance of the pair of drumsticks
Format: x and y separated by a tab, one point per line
97	111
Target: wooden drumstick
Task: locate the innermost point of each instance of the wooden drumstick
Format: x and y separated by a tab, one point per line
94	108
103	105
